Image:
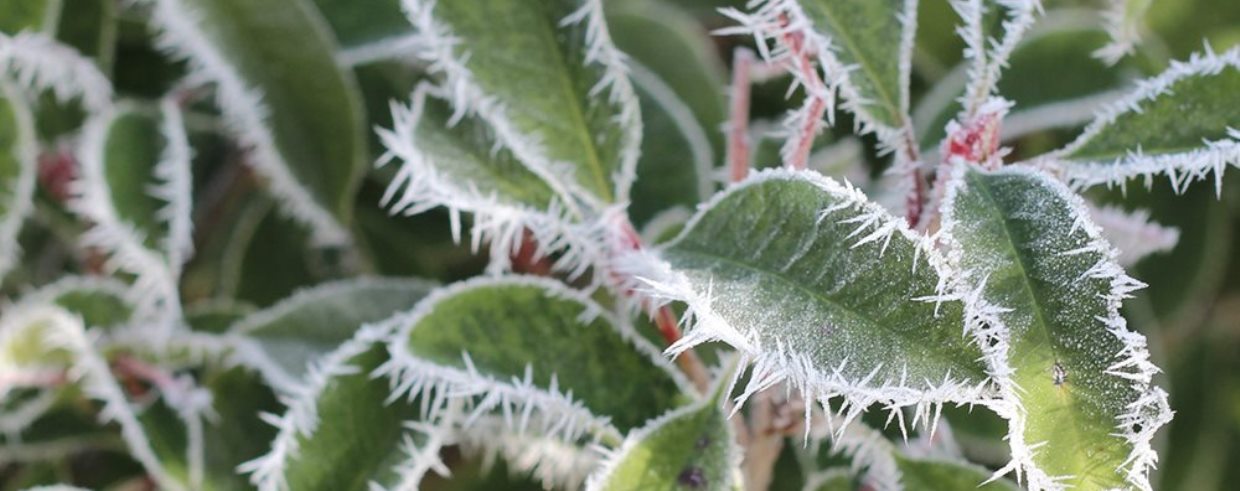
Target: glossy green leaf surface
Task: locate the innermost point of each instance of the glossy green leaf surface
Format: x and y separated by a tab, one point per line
510	325
794	266
286	337
1083	378
534	62
309	130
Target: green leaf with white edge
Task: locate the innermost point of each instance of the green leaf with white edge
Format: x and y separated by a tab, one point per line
676	165
33	15
931	474
831	480
533	344
865	46
367	31
100	302
669	42
821	288
691	447
279	87
283	340
343	430
1145	134
1035	270
546	76
455	164
18	169
133	187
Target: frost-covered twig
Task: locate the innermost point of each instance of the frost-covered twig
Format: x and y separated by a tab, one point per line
988	56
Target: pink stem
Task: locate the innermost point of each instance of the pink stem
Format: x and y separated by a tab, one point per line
738	117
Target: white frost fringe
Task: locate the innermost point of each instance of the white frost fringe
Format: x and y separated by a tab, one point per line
524	405
38	62
20	191
438	46
301	419
1181	168
174	174
556	464
655	280
1124	20
155	285
612	458
245	114
766	26
62	330
1149	412
871	455
989	56
419	186
1133	233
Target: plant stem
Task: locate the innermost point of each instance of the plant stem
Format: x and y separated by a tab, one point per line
815	104
688	361
738	116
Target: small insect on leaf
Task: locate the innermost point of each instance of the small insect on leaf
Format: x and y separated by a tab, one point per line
1059	374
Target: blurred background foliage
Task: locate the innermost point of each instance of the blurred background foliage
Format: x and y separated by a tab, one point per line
249	255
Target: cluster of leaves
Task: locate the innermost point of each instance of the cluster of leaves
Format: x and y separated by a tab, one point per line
211	287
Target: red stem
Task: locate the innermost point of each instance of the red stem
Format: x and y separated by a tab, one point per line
814	87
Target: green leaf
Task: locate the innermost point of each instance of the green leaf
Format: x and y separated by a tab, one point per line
533	343
820	287
550	82
359	24
668	42
119	158
18	168
1035	269
99	302
1145	133
34	15
831	480
282	341
676	165
928	474
90	26
280	88
456	164
689	448
344	431
876	37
